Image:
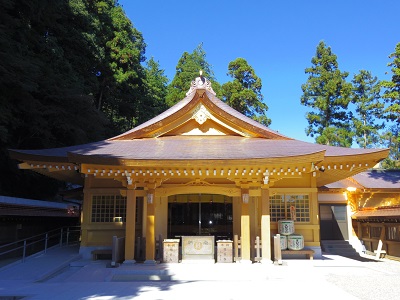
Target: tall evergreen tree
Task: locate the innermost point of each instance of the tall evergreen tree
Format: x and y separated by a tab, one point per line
327	93
156	84
119	51
187	70
391	95
391	140
69	70
392	88
244	92
46	100
368	109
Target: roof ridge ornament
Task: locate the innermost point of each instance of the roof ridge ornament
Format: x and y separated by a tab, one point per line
200	83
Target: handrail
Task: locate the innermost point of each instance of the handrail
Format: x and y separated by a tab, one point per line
55	235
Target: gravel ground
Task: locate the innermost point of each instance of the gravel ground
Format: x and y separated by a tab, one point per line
376	280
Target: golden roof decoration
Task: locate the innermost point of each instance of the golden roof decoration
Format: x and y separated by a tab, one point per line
201	83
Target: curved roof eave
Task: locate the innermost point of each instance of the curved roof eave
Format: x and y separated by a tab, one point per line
156	122
36	155
197	147
234	116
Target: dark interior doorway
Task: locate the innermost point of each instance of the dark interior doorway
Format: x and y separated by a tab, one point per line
200	214
333	222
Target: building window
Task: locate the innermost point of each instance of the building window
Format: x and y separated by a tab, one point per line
376	232
287	206
365	231
108	208
393	233
277	207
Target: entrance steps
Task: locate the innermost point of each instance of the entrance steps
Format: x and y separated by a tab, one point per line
339	247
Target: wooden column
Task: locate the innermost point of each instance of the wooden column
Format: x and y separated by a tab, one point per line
245	228
265	227
85	215
130	226
315	216
150	229
161	215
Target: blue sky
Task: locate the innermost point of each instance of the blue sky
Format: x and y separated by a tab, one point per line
277	38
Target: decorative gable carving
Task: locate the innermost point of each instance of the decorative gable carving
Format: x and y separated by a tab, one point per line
201	121
201	114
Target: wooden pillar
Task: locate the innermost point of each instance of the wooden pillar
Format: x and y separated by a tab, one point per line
245	227
265	227
161	215
150	229
130	226
236	211
253	219
85	214
315	216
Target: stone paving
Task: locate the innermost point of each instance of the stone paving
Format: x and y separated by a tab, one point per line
60	274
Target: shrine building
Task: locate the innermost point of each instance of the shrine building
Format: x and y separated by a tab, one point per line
198	169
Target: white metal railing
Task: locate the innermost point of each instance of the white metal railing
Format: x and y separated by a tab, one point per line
21	249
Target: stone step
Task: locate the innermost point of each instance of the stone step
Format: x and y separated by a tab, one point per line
334	242
339	247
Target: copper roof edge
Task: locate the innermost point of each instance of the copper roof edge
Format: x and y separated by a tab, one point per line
259	128
23	156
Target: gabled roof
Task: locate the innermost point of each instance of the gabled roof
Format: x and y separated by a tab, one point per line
11	206
201	102
378	213
371	179
376	179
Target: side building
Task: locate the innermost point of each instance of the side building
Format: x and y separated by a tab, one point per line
23	218
365	210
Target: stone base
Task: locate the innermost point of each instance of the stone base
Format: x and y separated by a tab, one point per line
150	262
129	262
266	261
245	261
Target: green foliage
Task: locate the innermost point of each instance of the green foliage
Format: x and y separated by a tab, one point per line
244	92
391	95
327	93
156	84
119	51
391	139
70	72
335	136
43	78
368	109
392	88
187	70
44	100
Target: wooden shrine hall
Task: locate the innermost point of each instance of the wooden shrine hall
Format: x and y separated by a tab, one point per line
198	169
